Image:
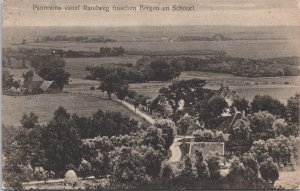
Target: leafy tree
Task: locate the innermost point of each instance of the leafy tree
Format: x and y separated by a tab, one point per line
153	137
152	160
261	124
217	105
28	75
110	124
267	103
213	164
280	126
188	91
61	143
29	121
61	115
187	172
166	172
236	172
292	130
269	171
18	158
16	84
85	168
50	67
293	108
184	124
250	162
131	94
240	137
241	105
122	92
127	166
7	79
162	71
96	152
168	129
201	167
111	83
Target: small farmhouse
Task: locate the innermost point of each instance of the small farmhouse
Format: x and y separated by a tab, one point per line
37	85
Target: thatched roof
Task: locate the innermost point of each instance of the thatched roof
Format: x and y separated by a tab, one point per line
45	85
34	82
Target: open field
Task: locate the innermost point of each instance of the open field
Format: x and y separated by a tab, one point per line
76	66
236	48
245	87
248	42
45	104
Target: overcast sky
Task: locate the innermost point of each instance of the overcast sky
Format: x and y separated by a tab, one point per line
207	12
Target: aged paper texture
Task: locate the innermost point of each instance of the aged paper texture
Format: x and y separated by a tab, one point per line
150	94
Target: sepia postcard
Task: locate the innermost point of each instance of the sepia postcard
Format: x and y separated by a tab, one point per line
150	94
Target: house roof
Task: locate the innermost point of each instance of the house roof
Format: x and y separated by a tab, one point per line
228	123
226	93
35	82
36	77
45	85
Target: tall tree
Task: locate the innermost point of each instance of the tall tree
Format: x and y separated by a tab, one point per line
111	83
61	143
168	129
293	108
241	105
261	124
188	91
122	92
267	103
269	171
201	167
29	121
51	67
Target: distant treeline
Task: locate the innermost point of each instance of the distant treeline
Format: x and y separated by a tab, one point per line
216	37
158	70
76	39
21	57
272	67
103	52
205	52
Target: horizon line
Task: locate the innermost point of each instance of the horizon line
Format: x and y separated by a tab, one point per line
150	25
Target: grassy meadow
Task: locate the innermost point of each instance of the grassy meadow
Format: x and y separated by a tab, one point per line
44	106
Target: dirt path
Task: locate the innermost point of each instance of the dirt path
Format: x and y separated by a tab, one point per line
288	180
175	150
137	111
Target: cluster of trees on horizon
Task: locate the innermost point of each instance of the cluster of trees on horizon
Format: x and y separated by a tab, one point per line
216	37
84	39
269	67
159	68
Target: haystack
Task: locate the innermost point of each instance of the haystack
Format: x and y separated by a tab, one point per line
71	177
